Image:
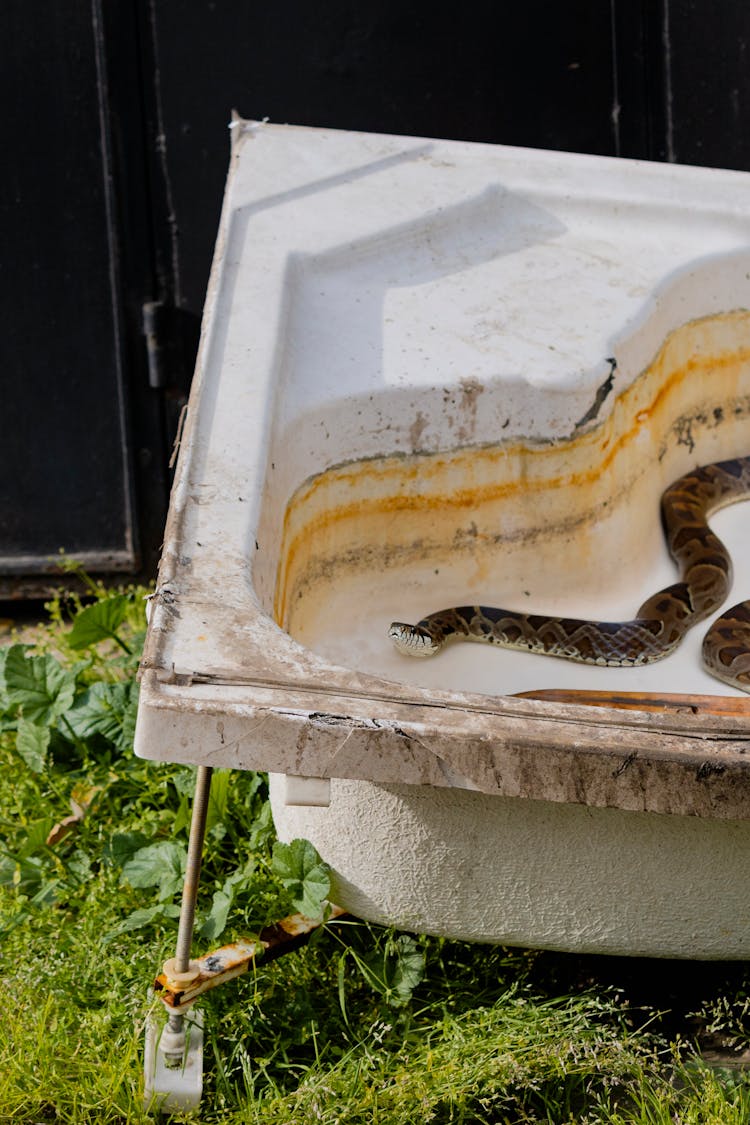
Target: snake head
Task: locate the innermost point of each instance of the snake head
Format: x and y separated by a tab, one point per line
414	640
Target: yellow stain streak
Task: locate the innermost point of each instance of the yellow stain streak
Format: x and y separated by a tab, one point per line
376	488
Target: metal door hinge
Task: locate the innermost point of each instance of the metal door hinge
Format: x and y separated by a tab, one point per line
155	315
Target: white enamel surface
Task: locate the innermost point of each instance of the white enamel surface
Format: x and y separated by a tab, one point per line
361	279
351	626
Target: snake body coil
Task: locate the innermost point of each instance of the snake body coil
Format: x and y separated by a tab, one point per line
660	623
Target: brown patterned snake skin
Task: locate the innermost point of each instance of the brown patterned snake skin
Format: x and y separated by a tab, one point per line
662	620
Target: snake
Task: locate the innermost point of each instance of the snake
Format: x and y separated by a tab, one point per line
705	580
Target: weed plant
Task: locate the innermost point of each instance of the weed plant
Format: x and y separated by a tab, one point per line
363	1025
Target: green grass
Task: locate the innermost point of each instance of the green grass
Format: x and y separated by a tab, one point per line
363	1025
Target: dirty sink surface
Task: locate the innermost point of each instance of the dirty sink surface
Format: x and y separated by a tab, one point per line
438	373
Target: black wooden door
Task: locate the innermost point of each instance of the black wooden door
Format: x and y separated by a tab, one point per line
83	460
65	477
116	149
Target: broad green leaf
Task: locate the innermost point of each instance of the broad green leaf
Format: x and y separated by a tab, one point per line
79	865
122	847
24	873
32	743
36	836
159	865
395	971
304	875
262	829
99	622
216	919
143	917
7	712
241	878
184	781
39	685
408	966
108	710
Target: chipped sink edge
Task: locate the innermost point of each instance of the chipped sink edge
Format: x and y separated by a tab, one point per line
517	748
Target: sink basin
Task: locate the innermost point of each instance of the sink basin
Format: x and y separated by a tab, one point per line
436	373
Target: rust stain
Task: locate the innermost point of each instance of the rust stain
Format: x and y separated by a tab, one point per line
645	701
340	501
230	961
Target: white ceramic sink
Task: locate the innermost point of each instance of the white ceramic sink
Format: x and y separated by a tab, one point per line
437	373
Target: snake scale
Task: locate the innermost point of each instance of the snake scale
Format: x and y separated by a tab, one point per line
660	623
